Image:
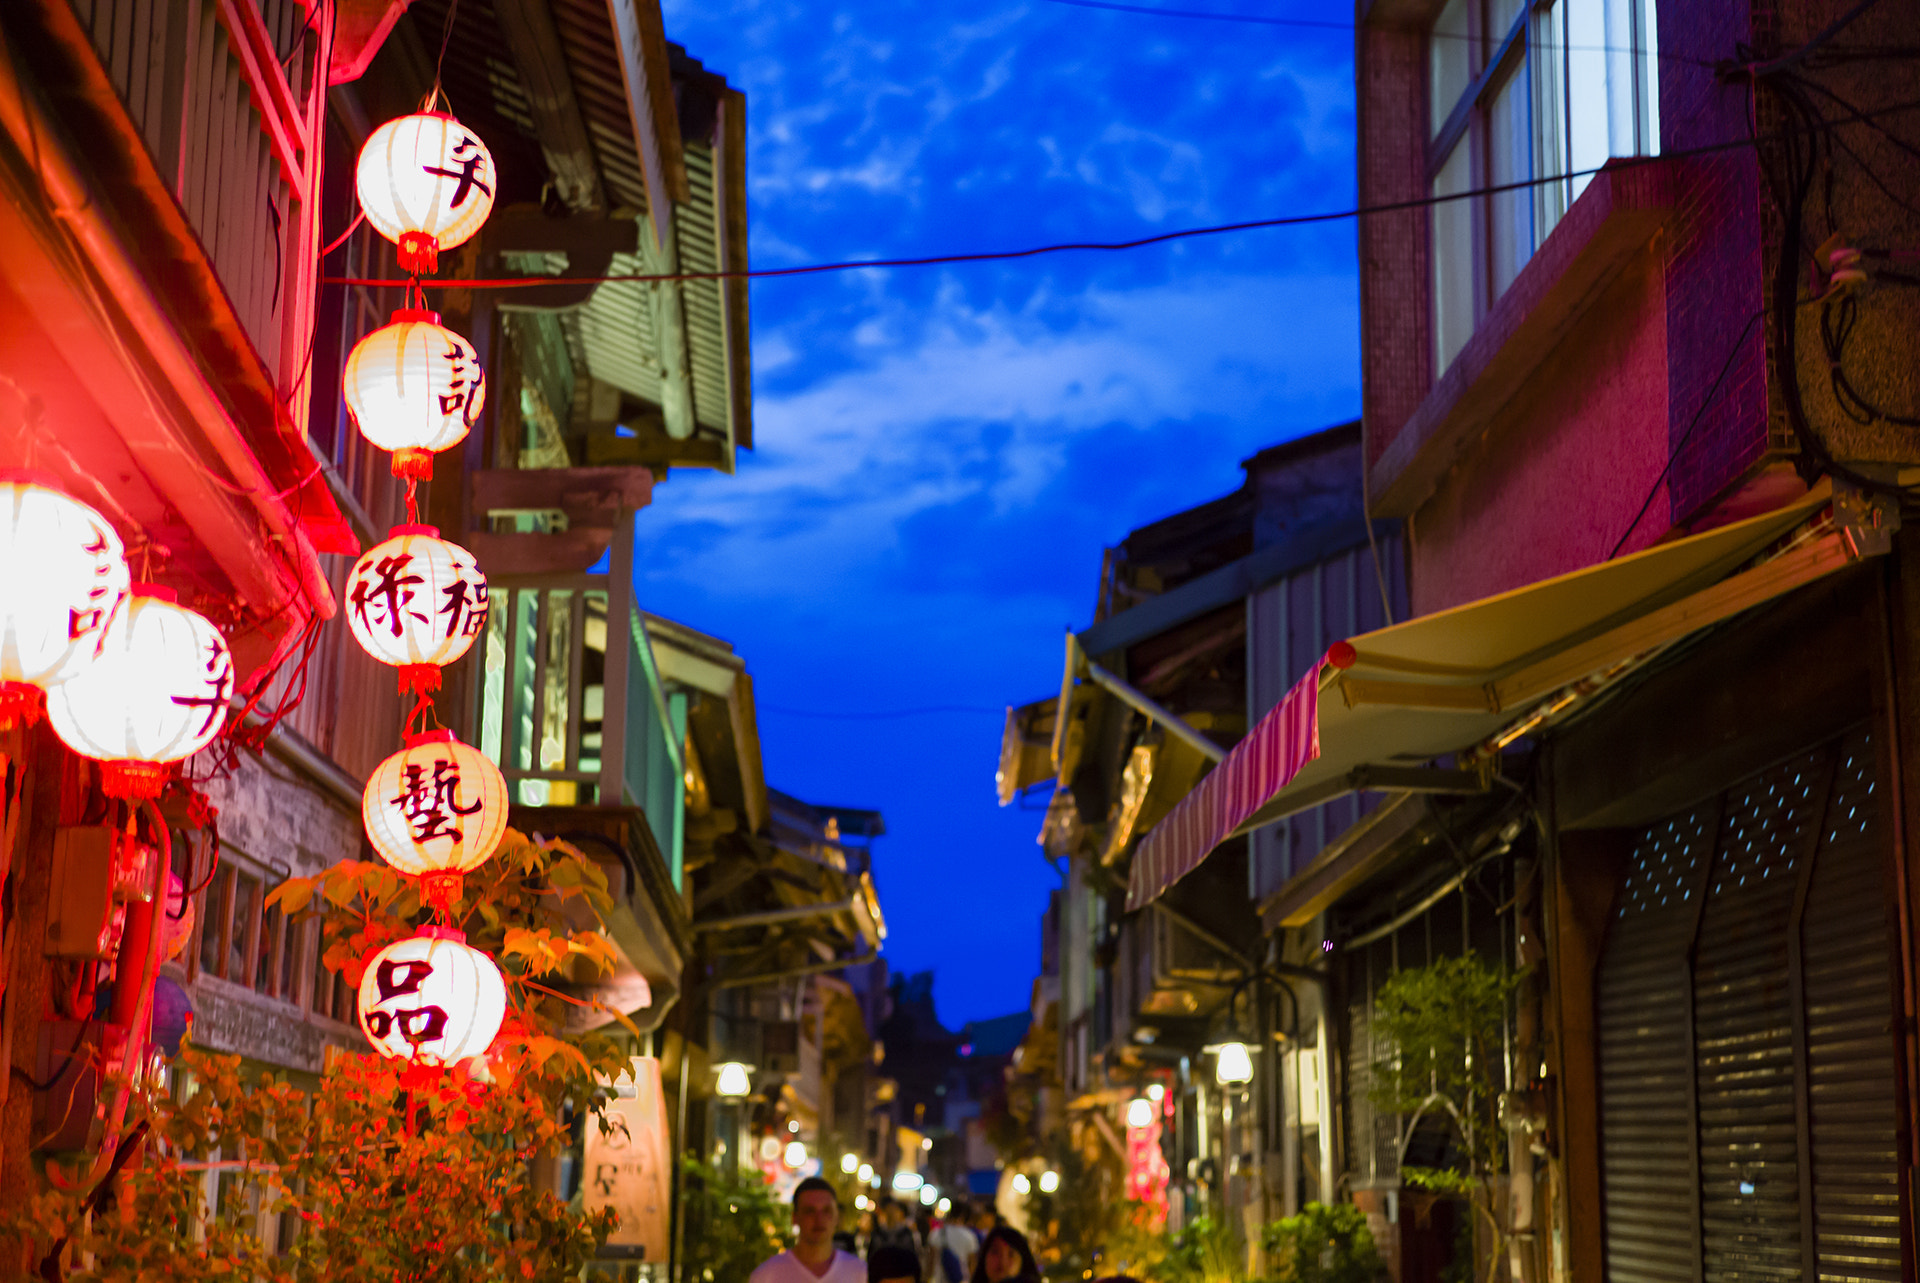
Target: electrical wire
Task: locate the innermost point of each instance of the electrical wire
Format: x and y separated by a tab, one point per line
1159	238
1317	24
1707	402
836	715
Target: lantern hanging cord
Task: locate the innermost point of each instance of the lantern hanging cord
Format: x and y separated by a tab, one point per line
341	239
1159	238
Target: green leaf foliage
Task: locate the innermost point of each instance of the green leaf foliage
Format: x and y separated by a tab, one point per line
732	1224
1323	1245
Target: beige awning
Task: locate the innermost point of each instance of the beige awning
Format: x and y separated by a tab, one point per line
1383	707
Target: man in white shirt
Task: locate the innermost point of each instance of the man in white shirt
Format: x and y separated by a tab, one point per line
814	1258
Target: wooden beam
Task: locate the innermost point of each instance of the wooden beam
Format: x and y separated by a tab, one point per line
642	41
557	122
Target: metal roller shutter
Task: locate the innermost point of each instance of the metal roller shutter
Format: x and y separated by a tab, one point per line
1748	1115
1846	950
1645	1070
1743	1025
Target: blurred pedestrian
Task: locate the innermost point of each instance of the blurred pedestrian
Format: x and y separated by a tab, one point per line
892	1228
1006	1257
893	1265
953	1245
813	1258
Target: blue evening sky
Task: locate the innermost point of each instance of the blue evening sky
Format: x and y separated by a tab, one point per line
943	453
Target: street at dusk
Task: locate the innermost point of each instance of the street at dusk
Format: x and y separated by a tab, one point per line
1194	641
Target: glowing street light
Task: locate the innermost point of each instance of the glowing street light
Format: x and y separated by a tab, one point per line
866	1173
929	1195
1021	1185
733	1083
849	1163
907	1182
1139	1112
796	1155
1049	1181
1233	1065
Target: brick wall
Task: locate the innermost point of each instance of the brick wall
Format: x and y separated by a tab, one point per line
1396	344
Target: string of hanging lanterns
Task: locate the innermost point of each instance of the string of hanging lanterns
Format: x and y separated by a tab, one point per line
437	809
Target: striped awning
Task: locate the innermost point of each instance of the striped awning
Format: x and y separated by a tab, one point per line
1379	710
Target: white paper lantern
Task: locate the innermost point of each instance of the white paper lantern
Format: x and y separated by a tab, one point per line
426	182
417	602
431	999
414	387
63	572
436	809
156	694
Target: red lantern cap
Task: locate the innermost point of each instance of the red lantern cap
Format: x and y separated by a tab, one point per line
430	737
443	933
31	477
154	591
414	315
414	529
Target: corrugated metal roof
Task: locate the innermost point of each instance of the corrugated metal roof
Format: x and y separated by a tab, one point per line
616	330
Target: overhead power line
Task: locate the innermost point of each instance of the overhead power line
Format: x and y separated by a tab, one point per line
1321	24
1140	242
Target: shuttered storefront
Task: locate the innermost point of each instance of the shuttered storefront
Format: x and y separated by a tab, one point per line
1745	1012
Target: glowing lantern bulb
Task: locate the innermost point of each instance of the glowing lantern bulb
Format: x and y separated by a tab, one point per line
426	182
416	602
849	1163
156	694
1049	1181
414	388
63	572
796	1155
1233	1064
1139	1112
436	809
431	999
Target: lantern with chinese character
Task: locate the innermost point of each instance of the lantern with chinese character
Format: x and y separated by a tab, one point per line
416	602
431	999
436	809
414	387
426	183
62	573
156	694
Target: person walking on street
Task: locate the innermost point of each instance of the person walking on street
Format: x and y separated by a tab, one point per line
1005	1257
813	1258
893	1229
953	1246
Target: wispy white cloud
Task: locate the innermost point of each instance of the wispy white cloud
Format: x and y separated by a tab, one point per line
965	404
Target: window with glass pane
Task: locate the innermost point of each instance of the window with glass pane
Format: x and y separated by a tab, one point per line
264	970
246	913
214	907
1524	96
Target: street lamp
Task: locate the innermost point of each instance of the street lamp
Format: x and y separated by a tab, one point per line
1233	1065
849	1163
733	1083
1049	1181
907	1182
929	1195
796	1154
866	1173
1021	1185
1139	1112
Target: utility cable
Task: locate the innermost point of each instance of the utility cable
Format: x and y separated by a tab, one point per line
1159	238
1317	24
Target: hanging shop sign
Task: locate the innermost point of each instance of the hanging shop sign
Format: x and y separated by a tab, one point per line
414	388
416	601
63	572
431	999
436	809
426	182
156	694
627	1164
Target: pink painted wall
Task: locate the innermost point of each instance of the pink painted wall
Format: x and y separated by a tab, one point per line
1558	479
